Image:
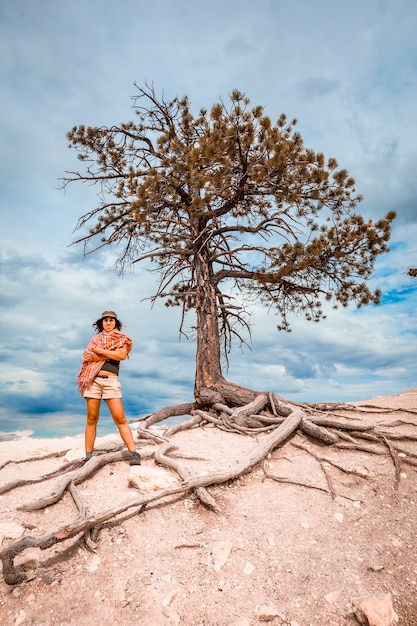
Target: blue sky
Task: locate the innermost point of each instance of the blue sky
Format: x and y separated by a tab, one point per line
346	70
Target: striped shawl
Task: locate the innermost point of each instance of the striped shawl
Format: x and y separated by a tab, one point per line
105	341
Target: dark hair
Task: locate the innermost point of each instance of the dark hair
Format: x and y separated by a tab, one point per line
98	325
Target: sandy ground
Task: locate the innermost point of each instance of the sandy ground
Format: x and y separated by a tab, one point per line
277	552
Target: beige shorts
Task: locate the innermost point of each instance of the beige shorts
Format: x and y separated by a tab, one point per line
104	388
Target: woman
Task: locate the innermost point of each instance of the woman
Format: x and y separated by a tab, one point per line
98	380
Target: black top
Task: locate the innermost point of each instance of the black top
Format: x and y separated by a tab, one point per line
111	366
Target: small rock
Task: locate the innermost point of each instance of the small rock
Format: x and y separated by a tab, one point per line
170	597
375	611
267	613
30	597
48	580
146	479
249	568
220	552
95	562
339	517
10	530
332	597
20	618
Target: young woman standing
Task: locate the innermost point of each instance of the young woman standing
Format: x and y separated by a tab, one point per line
98	380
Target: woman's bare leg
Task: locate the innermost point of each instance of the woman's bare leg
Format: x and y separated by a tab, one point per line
117	412
93	412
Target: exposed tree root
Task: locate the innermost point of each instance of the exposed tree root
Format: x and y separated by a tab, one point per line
167	412
379	409
284	479
51	455
22	482
323	459
230	408
187	425
201	492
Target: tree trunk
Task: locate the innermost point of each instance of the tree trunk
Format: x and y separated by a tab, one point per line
208	367
210	386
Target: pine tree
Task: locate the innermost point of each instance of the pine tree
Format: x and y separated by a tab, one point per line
228	208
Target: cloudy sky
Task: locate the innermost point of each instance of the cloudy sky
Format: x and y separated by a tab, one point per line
346	70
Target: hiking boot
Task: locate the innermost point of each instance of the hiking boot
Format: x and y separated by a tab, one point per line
135	458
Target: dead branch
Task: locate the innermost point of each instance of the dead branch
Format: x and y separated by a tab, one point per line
345	437
272	403
407	453
240	414
323	469
188	424
318	432
51	455
22	482
359	448
170	411
283	479
81	510
76	477
399	436
381	409
398	423
202	493
222	408
379	437
205	416
342	424
144	433
329	406
346	470
266	419
395	460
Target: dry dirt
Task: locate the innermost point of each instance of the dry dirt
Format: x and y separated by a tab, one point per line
277	553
